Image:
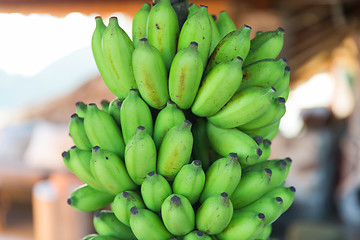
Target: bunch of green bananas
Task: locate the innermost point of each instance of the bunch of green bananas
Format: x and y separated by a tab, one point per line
183	150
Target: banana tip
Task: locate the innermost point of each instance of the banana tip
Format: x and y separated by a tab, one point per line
224	195
233	155
73	147
199	233
64	154
125	194
175	200
289	160
287	68
97	214
69	201
247	26
261	216
259	140
141	128
283	163
96	148
268	171
280	29
152	173
258	152
197	163
267	142
279	200
292	188
134	210
74	115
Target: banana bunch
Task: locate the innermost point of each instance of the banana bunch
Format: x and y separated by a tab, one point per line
182	151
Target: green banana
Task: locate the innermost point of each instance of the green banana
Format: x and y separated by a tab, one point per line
80	109
225	141
266	150
167	118
287	194
265	45
78	134
252	186
154	190
114	110
135	112
102	130
196	235
140	155
214	214
163	30
236	43
282	86
146	225
244	225
105	105
122	204
178	215
274	113
215	33
192	9
109	170
150	74
225	24
218	87
185	76
265	235
87	199
78	162
197	28
117	52
139	24
106	224
222	176
265	132
243	107
175	150
189	181
263	73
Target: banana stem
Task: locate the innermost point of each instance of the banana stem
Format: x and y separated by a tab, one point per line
181	9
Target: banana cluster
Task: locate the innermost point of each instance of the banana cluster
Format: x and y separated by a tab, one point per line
183	150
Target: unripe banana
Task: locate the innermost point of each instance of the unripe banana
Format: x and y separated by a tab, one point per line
146	225
222	176
263	73
78	134
109	170
265	45
252	186
135	112
140	155
266	150
78	162
225	141
122	204
267	132
225	24
139	24
287	194
218	87
88	199
236	43
274	113
106	224
215	34
163	30
117	51
265	235
197	28
175	150
189	181
114	110
185	76
196	235
178	215
244	225
104	105
168	117
154	190
214	214
282	86
102	130
150	74
80	109
243	107
192	9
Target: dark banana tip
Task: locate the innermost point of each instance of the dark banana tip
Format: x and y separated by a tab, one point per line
204	6
143	40
169	102
119	104
233	155
92	104
152	173
259	152
96	17
289	160
268	171
69	201
287	68
267	142
214	17
239	58
279	200
134	210
187	122
113	18
95	148
141	128
199	233
292	188
281	100
283	163
261	216
224	195
64	154
78	104
104	101
190	5
284	60
125	194
280	29
74	115
273	89
247	26
259	140
97	214
197	163
73	147
195	44
175	200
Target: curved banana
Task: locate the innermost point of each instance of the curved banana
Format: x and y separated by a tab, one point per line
225	141
106	224
222	176
252	186
122	204
196	235
267	132
265	235
105	105
215	33
114	110
178	215
244	225
139	24
154	190
150	74
266	150
102	130
87	199
243	107
117	52
218	87
236	43
80	109
78	134
192	9
140	155
189	181
163	30
265	45
282	86
225	24
197	28
214	214
146	225
263	73
175	150
287	194
185	76
109	170
135	112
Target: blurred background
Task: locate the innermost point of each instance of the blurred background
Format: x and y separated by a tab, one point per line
46	66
